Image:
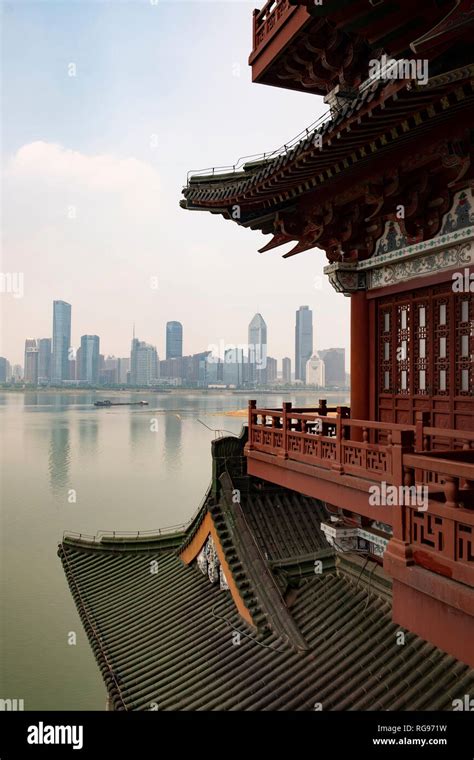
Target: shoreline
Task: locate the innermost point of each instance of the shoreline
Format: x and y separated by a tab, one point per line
179	391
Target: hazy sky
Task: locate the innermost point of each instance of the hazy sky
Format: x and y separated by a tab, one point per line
94	164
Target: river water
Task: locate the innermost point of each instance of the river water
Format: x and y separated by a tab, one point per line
67	465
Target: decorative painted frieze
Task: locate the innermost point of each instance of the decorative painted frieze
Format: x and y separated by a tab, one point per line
395	261
393	239
461	255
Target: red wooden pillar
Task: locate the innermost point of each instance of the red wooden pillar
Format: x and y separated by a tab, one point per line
360	360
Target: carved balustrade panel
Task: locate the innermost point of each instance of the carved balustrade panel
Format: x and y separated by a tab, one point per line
311	446
441	544
378	461
427	531
294	443
328	450
464	543
269	18
353	455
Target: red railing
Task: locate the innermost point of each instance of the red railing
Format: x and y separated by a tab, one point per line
440	531
328	438
265	22
377	451
442	535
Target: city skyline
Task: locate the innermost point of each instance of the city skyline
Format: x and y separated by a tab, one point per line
89	346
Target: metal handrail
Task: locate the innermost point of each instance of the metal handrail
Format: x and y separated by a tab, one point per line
234	168
167	530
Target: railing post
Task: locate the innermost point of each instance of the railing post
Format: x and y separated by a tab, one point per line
451	491
422	419
255	15
337	465
402	443
286	414
323	407
251	408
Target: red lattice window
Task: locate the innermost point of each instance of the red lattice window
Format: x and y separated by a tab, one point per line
404	314
442	340
425	344
464	345
385	351
421	349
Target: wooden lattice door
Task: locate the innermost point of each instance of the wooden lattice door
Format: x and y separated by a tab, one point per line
425	351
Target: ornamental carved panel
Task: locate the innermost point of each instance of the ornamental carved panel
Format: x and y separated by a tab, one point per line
352	455
294	444
427	531
328	450
464	543
377	461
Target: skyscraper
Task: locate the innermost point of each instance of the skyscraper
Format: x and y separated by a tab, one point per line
89	359
61	341
31	361
258	350
44	360
3	369
174	340
303	341
232	371
315	372
72	370
78	364
144	367
123	368
286	370
335	364
271	370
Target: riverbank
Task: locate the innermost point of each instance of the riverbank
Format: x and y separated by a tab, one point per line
250	393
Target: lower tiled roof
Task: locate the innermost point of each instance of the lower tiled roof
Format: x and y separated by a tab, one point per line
285	523
167	640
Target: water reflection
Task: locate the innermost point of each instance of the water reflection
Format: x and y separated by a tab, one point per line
59	457
88	436
139	431
145	432
173	426
129	478
30	398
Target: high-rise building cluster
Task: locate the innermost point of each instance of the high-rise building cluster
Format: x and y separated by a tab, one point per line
52	361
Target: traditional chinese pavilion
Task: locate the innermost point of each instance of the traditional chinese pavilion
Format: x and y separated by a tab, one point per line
292	588
384	187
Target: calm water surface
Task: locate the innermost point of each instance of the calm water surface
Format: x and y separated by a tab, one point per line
126	477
